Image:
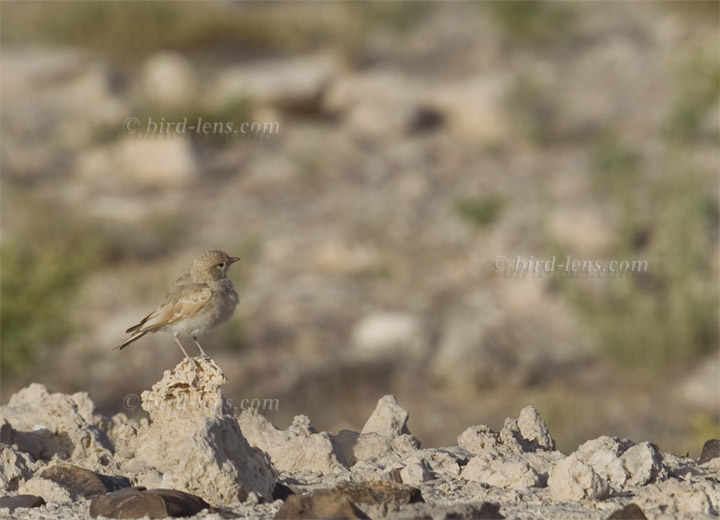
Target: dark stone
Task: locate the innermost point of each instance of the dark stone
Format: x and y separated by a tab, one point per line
426	119
19	501
380	492
319	504
281	492
486	511
154	503
711	450
629	512
84	482
489	511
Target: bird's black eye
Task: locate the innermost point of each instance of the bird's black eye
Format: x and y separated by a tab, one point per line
221	265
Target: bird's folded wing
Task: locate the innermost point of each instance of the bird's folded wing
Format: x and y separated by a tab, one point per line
185	301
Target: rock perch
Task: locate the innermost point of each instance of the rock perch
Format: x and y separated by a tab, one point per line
195	442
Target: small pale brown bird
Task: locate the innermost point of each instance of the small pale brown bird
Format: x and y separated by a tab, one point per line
197	302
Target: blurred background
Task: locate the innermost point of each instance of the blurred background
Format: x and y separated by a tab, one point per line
416	143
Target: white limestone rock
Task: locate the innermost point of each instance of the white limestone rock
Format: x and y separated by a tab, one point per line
500	472
526	433
49	490
445	462
415	472
389	418
352	447
621	463
474	108
385	335
533	428
375	104
194	441
603	455
148	158
47	424
571	479
478	439
295	83
15	468
643	464
168	79
297	449
674	497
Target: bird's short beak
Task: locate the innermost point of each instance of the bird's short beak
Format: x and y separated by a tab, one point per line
233	259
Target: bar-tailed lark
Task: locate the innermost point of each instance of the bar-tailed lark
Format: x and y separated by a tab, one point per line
197	302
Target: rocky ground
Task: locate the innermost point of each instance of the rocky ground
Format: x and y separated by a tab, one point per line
407	160
410	155
197	457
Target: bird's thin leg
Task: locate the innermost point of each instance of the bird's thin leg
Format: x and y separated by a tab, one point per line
198	346
177	340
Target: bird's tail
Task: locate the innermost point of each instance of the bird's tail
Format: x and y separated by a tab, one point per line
137	335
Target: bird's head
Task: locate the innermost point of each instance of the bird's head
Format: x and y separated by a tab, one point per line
212	265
